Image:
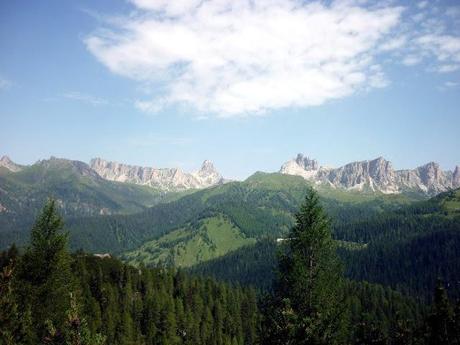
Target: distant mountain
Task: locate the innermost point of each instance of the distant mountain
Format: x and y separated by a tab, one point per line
375	175
166	179
78	190
7	163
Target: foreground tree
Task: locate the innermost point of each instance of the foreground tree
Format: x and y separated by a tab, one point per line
308	304
44	278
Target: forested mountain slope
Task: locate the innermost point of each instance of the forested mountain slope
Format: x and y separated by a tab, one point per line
407	249
78	190
261	206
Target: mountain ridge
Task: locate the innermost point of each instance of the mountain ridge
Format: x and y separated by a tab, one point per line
377	175
369	176
162	178
7	163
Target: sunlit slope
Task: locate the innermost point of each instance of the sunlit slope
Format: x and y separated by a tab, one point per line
194	243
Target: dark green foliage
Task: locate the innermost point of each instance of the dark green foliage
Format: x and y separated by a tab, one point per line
405	248
14	324
252	265
86	300
308	295
159	306
43	278
441	322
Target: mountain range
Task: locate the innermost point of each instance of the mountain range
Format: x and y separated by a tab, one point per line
113	208
375	175
168	179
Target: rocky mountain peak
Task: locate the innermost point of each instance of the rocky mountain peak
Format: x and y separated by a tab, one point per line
207	166
168	179
6	159
301	166
208	175
7	163
381	170
376	175
456	177
430	172
306	163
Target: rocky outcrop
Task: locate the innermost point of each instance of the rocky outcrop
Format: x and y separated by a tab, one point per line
168	179
375	175
456	177
7	163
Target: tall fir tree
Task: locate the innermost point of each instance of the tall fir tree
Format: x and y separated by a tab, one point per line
44	280
309	289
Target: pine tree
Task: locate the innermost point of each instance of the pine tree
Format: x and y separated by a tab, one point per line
309	288
44	279
14	326
441	321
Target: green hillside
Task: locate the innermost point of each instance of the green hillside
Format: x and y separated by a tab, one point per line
261	206
450	202
407	248
78	190
197	242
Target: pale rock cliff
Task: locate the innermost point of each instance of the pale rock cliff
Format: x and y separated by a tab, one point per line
167	179
7	163
375	175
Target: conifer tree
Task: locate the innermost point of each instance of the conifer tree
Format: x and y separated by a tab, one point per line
308	292
44	278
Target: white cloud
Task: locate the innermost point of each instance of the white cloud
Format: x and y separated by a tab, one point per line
88	99
240	57
446	48
411	60
394	44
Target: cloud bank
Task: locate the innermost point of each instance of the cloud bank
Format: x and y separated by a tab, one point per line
244	57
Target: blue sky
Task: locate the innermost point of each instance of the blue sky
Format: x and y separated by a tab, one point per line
245	84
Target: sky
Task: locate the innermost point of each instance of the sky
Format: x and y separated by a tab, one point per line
247	84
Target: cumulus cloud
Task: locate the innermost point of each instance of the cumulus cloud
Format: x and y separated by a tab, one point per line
244	57
238	57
